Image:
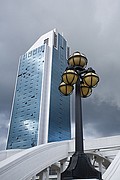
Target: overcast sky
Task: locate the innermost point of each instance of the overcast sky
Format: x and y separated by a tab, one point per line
91	27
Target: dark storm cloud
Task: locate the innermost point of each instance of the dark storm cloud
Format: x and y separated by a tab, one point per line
104	117
91	27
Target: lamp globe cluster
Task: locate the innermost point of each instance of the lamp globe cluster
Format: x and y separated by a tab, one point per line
76	71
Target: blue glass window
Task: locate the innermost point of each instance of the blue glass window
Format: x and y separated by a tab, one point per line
25	114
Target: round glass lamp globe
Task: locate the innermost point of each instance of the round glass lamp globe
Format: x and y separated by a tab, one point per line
91	79
66	89
85	91
77	59
70	77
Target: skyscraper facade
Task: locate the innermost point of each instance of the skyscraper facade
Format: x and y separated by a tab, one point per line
40	114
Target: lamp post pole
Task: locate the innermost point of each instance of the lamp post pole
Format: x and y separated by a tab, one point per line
78	120
79	166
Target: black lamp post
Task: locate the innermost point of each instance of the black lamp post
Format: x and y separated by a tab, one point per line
80	166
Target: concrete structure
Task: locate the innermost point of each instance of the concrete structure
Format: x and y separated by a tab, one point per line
40	114
26	164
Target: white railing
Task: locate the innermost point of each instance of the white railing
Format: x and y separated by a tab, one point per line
27	163
113	171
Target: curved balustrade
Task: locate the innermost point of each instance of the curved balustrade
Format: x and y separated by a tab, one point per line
113	171
27	163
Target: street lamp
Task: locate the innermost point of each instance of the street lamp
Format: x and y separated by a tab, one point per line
83	80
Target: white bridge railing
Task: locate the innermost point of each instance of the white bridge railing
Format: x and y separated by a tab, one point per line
27	163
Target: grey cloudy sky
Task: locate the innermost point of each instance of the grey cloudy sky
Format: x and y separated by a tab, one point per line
91	26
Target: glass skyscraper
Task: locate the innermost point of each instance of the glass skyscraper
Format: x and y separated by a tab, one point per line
40	114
